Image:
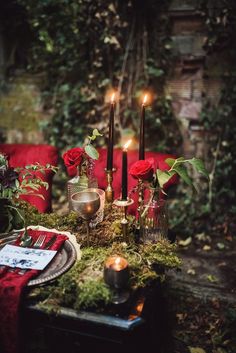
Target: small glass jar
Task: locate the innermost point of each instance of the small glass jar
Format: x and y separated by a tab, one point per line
84	179
154	220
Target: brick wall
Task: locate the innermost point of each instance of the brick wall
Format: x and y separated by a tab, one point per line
195	76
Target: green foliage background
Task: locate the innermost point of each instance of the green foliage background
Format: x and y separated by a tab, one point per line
88	47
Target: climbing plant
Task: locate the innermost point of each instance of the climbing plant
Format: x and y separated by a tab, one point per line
87	48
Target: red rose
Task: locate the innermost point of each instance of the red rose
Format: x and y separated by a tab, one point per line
143	169
72	159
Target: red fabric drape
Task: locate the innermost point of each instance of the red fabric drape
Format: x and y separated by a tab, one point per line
11	290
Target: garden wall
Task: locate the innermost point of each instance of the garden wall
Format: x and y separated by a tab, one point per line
194	77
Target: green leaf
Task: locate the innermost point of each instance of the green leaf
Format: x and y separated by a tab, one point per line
199	165
173	162
96	133
183	173
32	186
163	176
91	151
155	72
170	161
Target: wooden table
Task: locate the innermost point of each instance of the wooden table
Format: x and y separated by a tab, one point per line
139	325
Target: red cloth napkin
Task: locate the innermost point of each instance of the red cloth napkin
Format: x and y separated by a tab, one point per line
11	289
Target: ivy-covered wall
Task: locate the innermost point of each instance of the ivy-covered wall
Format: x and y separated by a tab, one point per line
182	52
87	48
133	47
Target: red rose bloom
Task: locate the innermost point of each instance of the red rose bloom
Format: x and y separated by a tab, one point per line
143	169
72	159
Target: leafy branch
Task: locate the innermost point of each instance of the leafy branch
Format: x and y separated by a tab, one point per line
89	148
178	167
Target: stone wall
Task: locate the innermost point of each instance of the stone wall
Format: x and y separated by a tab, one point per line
21	109
195	76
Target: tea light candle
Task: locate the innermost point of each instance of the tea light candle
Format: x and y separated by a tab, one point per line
116	272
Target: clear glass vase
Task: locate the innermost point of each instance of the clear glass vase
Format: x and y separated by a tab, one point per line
84	179
154	219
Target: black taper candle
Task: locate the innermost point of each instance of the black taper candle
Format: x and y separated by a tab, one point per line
124	175
111	137
142	133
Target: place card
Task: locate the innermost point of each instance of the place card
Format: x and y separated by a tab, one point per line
25	258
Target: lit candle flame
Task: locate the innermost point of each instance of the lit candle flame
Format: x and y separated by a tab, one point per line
145	99
117	261
113	98
127	144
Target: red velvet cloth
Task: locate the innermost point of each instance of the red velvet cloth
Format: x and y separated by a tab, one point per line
11	290
100	166
21	155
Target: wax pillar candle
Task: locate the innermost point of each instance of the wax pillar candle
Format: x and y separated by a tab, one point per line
116	272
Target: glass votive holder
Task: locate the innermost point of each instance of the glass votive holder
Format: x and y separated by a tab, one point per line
154	225
100	213
116	275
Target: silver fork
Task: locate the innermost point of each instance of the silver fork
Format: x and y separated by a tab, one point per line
39	242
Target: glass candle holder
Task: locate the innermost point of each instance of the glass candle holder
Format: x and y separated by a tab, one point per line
116	275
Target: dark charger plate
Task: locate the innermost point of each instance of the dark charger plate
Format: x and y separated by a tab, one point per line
61	263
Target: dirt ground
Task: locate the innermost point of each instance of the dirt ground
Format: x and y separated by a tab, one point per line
202	296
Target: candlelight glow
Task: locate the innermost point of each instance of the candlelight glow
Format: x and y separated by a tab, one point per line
113	97
127	144
145	99
117	261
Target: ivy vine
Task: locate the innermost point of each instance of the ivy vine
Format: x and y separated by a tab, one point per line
86	48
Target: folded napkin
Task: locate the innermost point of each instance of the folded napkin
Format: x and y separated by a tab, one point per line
12	284
71	237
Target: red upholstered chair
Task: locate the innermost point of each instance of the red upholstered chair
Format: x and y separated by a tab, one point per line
21	155
100	165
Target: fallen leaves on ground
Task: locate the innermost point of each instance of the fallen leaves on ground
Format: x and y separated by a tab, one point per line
185	242
196	350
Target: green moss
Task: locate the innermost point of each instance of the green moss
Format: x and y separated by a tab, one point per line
93	293
83	285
